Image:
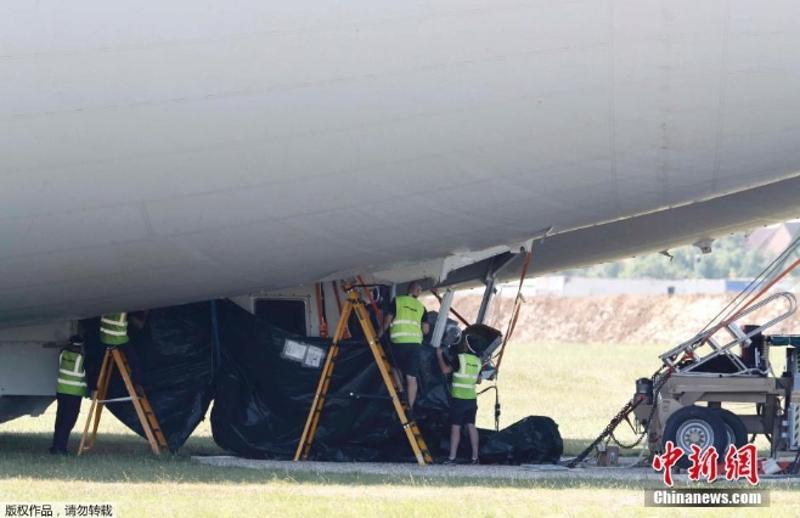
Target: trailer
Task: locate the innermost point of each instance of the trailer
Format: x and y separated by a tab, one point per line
685	402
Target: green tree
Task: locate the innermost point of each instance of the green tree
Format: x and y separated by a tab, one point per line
730	258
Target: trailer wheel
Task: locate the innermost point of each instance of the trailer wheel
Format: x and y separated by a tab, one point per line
695	425
735	429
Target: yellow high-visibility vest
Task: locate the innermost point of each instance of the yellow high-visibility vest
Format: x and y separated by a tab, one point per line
71	374
407	324
466	377
114	329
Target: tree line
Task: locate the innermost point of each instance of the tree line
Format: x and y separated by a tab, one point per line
730	259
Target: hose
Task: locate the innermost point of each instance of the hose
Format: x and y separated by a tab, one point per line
497	408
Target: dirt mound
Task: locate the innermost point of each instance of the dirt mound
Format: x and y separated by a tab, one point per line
633	319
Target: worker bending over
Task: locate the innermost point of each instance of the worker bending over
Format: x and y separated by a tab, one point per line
71	388
466	369
406	329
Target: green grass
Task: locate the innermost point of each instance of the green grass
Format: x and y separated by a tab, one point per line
580	386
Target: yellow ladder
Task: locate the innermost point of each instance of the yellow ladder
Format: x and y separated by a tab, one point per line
114	357
410	427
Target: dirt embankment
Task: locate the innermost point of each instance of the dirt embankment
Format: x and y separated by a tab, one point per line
633	319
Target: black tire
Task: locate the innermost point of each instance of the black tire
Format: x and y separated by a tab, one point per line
735	430
699	425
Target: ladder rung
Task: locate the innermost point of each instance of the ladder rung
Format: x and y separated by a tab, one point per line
116	400
357	395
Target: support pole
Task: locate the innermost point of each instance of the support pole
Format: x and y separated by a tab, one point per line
452	310
216	343
498	265
441	321
488	294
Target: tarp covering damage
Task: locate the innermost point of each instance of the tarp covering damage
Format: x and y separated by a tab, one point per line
264	385
172	358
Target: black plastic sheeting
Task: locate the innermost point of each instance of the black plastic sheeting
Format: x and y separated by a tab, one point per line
171	356
261	399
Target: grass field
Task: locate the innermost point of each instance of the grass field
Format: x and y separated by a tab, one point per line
580	386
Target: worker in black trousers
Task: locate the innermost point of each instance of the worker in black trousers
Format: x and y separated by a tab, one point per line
70	390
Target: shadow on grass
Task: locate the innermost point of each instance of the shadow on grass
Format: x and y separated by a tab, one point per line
572	447
127	458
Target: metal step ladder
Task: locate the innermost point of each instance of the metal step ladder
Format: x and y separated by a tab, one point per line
410	427
706	346
114	357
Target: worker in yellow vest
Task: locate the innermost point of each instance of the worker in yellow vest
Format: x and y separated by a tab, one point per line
71	388
406	326
465	368
114	333
114	329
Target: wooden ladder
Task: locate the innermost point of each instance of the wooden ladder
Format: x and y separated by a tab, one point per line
114	357
413	433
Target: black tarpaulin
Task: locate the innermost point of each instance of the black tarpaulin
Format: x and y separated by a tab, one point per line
263	389
263	400
171	356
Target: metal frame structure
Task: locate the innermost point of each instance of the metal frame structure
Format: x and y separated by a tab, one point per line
673	357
